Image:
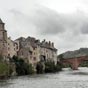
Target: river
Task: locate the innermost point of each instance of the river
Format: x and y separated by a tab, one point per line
64	79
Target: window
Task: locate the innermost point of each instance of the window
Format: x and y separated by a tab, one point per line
30	52
34	53
34	48
47	55
21	53
14	44
30	57
3	36
3	44
16	47
46	50
34	58
8	55
8	48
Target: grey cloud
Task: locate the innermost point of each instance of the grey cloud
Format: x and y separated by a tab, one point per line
52	23
84	28
48	22
67	31
45	20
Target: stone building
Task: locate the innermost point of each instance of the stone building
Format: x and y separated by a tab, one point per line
3	40
8	47
48	51
33	51
12	47
30	49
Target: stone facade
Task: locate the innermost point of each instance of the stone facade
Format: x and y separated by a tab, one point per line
8	48
30	49
12	47
48	51
34	51
3	40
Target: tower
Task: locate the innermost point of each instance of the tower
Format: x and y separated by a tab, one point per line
3	40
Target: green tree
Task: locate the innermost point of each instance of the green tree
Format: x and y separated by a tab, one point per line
39	68
22	68
49	67
58	66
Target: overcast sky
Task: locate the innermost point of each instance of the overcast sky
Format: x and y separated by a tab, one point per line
64	22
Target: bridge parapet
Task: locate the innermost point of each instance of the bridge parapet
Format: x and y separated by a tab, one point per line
74	62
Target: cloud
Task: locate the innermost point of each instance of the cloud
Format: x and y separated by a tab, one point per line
68	31
84	28
48	22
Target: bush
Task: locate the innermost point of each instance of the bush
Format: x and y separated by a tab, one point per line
58	66
84	64
22	68
39	68
29	69
1	58
49	67
4	69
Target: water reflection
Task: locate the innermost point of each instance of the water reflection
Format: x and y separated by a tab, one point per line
79	73
65	79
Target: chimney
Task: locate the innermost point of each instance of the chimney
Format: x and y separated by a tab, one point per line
52	44
43	41
49	43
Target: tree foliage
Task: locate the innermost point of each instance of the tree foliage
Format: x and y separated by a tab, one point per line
51	67
22	68
4	69
39	68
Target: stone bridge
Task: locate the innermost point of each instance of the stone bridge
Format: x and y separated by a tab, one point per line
74	62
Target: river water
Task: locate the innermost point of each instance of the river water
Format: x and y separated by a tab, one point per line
64	79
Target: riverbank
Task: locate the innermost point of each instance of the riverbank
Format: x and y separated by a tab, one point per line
63	79
18	67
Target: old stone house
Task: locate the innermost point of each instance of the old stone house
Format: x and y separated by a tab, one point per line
30	49
34	51
8	47
12	47
3	40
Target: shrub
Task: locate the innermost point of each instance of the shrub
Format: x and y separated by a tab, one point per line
4	69
1	58
58	67
49	67
30	69
22	68
40	68
84	64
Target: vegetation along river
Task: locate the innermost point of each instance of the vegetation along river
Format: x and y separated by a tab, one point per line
64	79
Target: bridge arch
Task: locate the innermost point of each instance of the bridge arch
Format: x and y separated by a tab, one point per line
74	62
